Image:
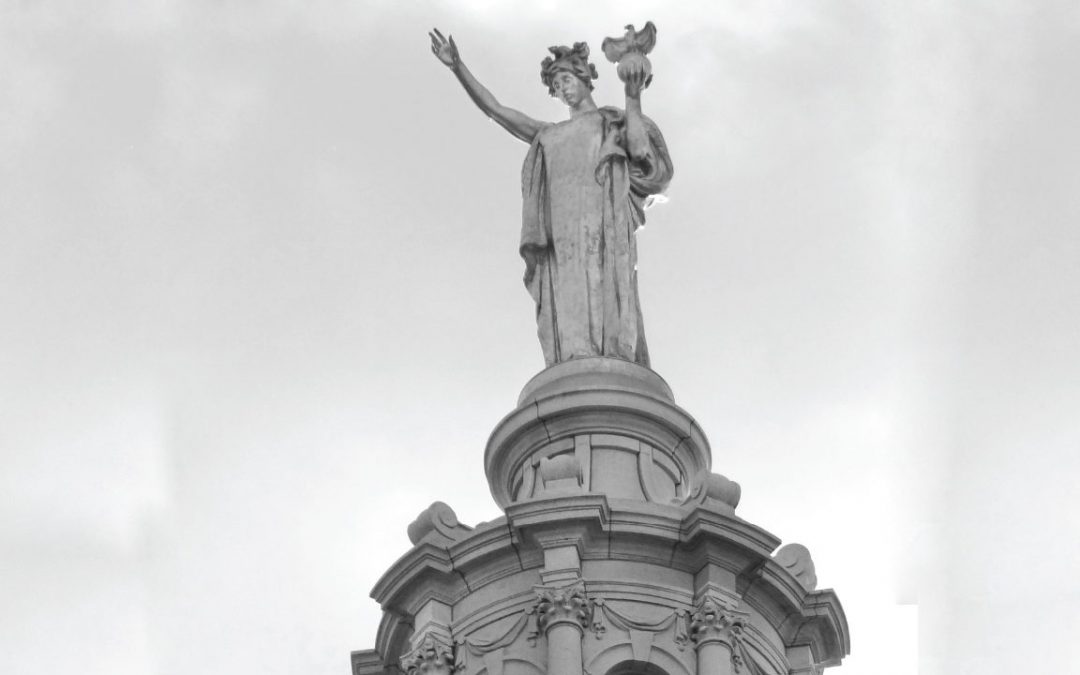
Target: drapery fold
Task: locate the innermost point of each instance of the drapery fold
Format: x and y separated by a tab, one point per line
624	184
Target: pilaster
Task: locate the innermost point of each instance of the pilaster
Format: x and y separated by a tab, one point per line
433	618
715	628
562	564
432	644
562	613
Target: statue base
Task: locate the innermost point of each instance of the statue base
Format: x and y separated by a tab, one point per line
618	552
598	425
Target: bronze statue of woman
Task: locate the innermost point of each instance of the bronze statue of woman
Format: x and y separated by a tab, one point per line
584	185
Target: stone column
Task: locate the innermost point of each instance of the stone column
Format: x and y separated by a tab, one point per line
714	630
562	615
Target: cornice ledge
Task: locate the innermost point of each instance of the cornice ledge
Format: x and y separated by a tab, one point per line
424	557
513	425
775	656
620	402
818	621
702	521
392	636
783	584
591	509
367	662
629	516
485	541
595	373
610	398
823	607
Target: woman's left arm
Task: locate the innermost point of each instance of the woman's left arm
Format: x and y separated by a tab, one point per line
637	137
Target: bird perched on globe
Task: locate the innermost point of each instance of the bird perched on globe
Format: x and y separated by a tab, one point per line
629	52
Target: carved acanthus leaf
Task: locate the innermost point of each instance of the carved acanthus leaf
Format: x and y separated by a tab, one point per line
714	620
568	604
433	655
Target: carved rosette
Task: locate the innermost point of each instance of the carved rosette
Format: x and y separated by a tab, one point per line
713	621
433	656
565	605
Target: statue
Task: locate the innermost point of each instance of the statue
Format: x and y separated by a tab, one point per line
585	184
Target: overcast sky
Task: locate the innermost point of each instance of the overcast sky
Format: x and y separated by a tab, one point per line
261	303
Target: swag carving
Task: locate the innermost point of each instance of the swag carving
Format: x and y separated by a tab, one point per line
712	620
472	648
602	614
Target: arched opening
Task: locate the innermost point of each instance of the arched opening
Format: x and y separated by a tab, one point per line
636	668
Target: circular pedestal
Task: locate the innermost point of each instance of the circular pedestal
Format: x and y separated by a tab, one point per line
597	426
595	374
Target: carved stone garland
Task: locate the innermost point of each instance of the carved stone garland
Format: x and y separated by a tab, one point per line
712	626
677	620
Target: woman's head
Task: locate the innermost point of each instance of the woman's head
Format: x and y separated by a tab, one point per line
572	62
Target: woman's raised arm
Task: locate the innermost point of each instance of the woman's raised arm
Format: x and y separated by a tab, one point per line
517	123
637	138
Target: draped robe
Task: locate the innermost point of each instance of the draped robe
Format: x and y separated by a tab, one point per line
583	200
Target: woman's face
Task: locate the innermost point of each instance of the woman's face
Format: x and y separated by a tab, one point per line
569	89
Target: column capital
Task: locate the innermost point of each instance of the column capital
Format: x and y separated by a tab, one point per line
562	605
433	655
714	620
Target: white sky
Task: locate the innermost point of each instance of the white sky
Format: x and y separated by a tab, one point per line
260	304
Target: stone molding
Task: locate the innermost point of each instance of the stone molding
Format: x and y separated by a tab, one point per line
714	621
562	605
544	444
433	655
594	373
509	552
606	487
367	662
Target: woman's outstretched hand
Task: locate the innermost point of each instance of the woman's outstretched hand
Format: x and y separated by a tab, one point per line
444	49
637	77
